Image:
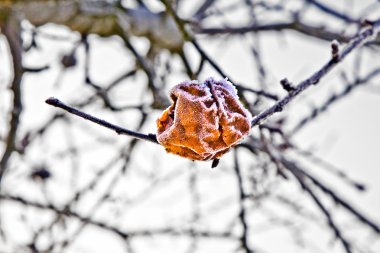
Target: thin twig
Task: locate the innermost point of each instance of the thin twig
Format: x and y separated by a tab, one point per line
159	100
294	169
242	212
301	175
333	12
119	130
35	69
334	98
342	202
64	212
201	12
339	172
366	35
124	234
318	32
301	179
181	26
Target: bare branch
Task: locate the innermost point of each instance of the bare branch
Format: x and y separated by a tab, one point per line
301	179
318	32
242	212
332	11
119	130
12	31
123	234
367	34
342	202
301	174
333	99
181	25
201	12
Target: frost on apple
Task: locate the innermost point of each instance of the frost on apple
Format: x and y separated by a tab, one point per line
204	121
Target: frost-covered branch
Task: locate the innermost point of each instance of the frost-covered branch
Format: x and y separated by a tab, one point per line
349	88
369	33
314	31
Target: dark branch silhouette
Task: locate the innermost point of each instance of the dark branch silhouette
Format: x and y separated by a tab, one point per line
119	130
368	34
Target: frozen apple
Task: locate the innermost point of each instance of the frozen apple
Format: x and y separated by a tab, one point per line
204	121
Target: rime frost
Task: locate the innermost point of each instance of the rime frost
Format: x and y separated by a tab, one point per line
204	121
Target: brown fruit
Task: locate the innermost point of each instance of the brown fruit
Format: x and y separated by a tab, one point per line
204	121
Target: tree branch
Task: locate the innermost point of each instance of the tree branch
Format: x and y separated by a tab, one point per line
172	231
188	37
242	212
340	201
119	130
329	10
369	33
301	175
10	27
301	179
334	98
318	32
